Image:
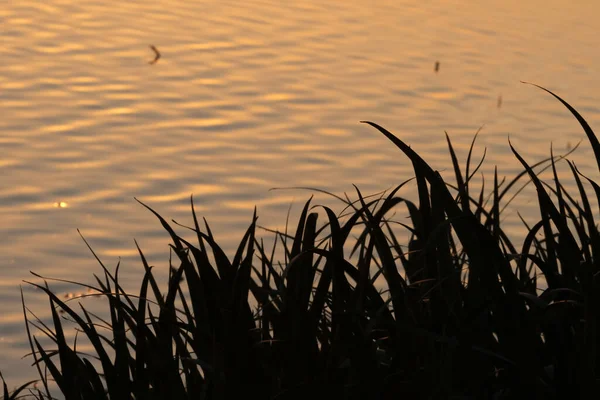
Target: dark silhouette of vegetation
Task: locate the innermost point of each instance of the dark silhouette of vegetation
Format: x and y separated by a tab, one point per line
350	312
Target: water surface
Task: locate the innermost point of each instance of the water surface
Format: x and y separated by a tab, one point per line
250	96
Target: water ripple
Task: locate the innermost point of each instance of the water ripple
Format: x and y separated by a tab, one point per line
253	95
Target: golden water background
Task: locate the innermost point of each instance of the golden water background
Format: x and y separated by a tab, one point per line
251	95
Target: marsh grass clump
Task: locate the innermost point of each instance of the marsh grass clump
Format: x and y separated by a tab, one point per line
459	313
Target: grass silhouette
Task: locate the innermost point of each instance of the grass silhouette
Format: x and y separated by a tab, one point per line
459	315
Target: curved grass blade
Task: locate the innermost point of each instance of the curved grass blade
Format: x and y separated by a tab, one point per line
165	225
14	395
33	353
460	183
481	247
568	246
588	131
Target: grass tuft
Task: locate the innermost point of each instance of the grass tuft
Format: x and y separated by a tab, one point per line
352	311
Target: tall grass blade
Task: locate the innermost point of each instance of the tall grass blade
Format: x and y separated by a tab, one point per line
586	128
460	183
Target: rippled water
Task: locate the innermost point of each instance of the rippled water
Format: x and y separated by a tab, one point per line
249	96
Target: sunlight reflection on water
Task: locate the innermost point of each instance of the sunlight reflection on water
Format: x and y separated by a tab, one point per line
253	95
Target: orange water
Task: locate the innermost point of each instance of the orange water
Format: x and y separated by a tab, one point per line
251	95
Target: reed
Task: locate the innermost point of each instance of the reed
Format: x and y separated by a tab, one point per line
351	312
